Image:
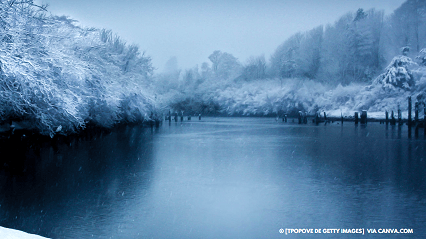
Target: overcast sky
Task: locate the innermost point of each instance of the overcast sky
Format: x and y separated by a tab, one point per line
192	29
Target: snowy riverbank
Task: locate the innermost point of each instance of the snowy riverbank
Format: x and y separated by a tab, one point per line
7	233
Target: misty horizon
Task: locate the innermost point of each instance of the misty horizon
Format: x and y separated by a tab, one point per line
191	30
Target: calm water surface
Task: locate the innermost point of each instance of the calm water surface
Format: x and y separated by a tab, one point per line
217	178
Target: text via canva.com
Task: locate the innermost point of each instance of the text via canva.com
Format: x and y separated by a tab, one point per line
361	231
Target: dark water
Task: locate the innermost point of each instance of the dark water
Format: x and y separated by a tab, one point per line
218	178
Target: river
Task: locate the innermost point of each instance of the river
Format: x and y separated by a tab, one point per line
217	178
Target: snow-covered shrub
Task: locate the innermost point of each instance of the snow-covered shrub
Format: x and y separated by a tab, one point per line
422	57
397	74
265	97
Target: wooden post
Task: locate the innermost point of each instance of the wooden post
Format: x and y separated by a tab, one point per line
341	117
181	117
305	118
325	116
176	117
364	117
300	117
392	121
416	112
424	118
387	117
170	116
199	116
356	117
317	118
285	118
399	116
409	111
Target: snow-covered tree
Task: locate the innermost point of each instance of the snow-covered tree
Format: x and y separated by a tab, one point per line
397	74
422	57
225	65
205	71
58	76
285	55
351	50
215	59
255	68
308	58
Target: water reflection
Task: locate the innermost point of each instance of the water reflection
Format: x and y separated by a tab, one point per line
72	189
218	178
379	178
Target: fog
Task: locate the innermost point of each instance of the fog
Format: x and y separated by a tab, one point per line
83	101
191	30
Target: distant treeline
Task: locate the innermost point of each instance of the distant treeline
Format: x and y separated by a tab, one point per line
365	60
57	77
355	48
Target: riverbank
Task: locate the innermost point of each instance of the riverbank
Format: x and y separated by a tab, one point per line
22	130
7	233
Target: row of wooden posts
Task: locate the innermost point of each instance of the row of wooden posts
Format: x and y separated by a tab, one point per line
176	117
303	117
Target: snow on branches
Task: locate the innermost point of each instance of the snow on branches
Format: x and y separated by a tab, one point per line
397	74
58	76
